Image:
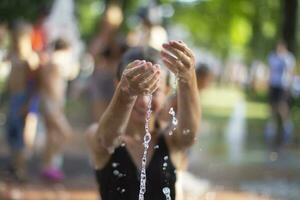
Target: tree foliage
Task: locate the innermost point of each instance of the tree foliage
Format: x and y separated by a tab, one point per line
12	10
249	28
245	27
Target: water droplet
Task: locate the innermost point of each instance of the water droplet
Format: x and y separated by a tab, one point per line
186	131
147	138
116	172
123	190
171	133
166	192
165	164
123	144
166	157
114	164
174	120
171	111
156	147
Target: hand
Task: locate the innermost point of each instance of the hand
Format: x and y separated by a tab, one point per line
140	78
179	59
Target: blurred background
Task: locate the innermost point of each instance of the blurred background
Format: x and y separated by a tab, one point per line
248	145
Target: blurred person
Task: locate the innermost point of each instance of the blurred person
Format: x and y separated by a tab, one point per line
281	64
54	76
39	35
204	75
23	60
116	142
109	28
39	43
101	85
148	32
106	49
258	77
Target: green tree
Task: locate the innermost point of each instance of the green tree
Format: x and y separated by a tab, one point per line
22	9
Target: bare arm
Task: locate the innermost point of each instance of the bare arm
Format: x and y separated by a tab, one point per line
182	63
115	117
137	79
101	137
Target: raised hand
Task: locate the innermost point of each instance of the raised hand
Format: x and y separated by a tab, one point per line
140	78
179	59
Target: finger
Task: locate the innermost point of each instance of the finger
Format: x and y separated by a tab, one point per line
149	70
170	66
178	53
183	47
149	73
176	63
135	71
167	55
148	82
152	88
134	64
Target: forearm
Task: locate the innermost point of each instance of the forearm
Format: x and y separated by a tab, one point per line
188	112
115	118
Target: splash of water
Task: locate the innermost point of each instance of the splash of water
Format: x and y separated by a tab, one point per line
147	138
166	192
174	120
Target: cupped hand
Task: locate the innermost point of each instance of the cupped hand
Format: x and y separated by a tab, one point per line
179	59
140	78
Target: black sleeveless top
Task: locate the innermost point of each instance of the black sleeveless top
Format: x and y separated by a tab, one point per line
120	178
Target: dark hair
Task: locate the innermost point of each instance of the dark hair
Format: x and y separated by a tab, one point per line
60	44
202	69
137	53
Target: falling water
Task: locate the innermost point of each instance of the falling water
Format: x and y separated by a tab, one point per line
166	192
173	114
147	138
174	80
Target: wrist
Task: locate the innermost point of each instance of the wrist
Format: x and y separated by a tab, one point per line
187	82
124	93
